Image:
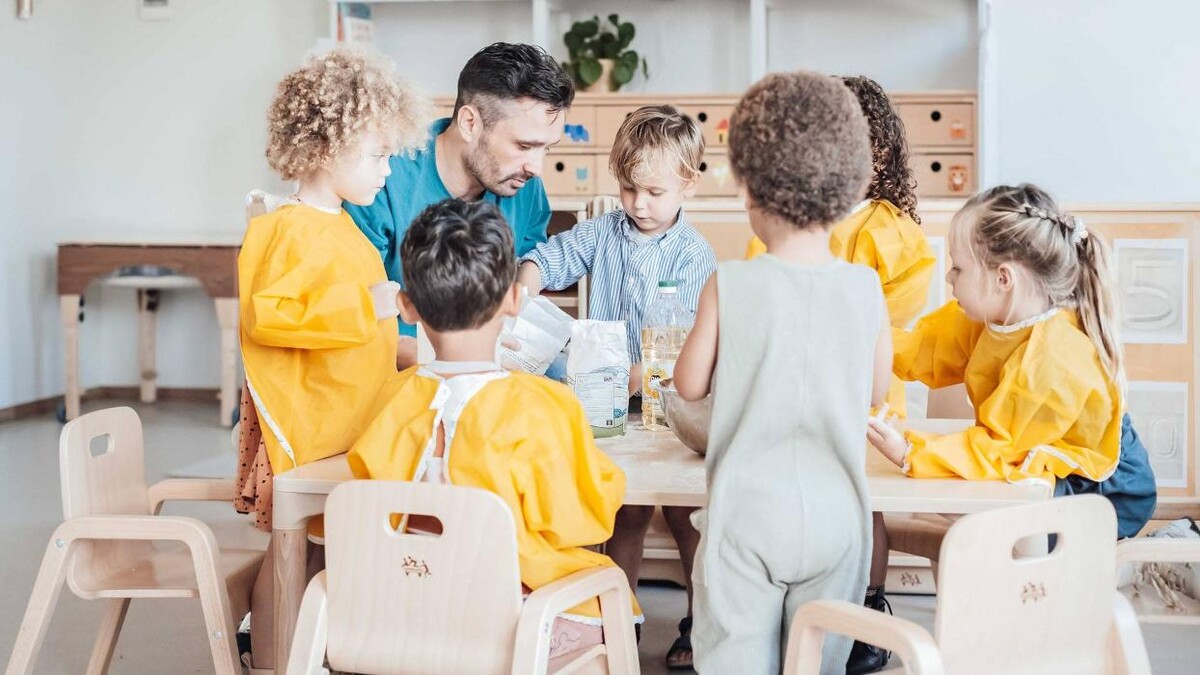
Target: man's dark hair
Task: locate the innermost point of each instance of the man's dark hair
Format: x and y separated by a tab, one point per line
504	72
458	263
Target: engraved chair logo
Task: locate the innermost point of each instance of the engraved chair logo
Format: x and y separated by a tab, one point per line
1032	592
413	566
909	579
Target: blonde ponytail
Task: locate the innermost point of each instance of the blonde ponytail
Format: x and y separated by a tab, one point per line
1096	297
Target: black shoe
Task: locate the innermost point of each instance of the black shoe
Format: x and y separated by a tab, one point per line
865	658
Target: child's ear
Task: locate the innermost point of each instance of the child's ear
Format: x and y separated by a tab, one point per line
408	311
1004	277
690	187
511	304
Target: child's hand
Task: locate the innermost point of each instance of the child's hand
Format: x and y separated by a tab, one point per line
635	378
887	440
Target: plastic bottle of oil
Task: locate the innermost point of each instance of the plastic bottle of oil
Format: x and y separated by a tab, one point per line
664	329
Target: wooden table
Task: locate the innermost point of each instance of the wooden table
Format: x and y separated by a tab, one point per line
659	471
209	258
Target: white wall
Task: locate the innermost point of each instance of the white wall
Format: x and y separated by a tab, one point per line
905	45
702	46
107	124
1098	100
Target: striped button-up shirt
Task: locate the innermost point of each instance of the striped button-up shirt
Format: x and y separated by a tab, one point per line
625	271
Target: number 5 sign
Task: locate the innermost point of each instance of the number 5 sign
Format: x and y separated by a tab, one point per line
1152	278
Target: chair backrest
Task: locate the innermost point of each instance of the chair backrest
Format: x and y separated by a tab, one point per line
998	613
102	470
403	602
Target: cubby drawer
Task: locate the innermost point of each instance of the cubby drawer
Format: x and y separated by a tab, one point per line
580	128
938	123
713	121
608	120
569	175
716	178
944	174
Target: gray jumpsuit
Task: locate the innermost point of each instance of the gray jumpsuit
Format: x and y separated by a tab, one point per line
787	519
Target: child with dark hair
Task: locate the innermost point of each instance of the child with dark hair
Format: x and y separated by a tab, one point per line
511	107
883	232
795	347
463	420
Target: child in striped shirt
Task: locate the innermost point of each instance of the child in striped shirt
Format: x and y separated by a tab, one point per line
656	160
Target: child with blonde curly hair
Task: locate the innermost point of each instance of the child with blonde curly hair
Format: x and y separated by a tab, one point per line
318	326
795	347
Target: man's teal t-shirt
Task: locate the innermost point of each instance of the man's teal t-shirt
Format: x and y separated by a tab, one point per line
415	184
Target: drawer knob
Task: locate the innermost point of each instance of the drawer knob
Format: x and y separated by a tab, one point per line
936	115
703	167
935	167
559	166
702	116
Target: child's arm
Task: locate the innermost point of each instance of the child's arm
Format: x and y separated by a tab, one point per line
698	360
564	258
937	349
530	276
1020	431
290	303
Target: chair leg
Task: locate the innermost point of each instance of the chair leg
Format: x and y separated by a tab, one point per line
620	642
106	640
214	601
46	588
312	631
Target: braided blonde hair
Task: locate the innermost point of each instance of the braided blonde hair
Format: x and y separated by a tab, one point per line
1072	267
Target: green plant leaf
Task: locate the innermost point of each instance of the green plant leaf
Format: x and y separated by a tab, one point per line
588	28
622	73
588	71
573	42
616	21
630	59
645	69
625	32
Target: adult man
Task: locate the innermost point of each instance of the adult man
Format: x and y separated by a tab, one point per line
511	106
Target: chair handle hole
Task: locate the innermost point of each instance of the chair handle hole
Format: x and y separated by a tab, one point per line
1036	546
100	445
420	524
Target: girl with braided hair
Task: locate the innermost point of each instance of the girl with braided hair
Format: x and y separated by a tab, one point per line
1032	332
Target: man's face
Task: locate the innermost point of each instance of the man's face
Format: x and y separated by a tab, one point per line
505	155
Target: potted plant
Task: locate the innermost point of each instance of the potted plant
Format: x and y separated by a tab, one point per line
600	58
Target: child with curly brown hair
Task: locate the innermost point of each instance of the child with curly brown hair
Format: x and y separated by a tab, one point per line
318	314
795	346
883	232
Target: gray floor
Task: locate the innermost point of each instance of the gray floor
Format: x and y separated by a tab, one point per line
166	636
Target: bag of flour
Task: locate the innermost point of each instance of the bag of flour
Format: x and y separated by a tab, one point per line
541	330
598	371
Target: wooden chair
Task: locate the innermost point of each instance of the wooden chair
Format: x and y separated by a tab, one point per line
408	603
998	613
105	548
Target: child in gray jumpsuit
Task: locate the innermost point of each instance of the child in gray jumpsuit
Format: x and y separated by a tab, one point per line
801	353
